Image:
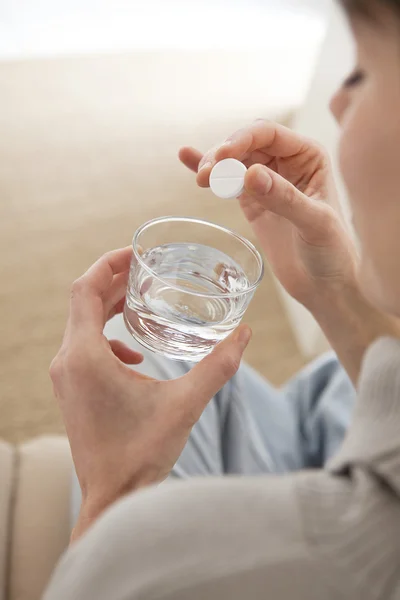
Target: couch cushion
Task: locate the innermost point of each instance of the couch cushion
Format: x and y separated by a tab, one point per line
7	460
41	520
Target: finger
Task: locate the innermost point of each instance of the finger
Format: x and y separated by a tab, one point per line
88	295
275	194
205	166
213	372
117	309
274	139
116	292
125	354
258	157
190	157
248	159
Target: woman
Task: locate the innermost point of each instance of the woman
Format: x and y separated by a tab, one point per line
332	533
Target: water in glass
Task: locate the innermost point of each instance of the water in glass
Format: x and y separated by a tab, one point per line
185	298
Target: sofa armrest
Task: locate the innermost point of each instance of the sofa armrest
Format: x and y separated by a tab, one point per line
7	474
41	515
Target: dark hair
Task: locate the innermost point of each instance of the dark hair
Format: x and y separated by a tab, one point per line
370	8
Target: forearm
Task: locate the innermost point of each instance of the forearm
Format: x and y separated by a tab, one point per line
351	325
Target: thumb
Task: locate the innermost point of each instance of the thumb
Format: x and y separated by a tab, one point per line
277	195
214	371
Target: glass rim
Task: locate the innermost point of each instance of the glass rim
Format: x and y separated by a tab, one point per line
250	247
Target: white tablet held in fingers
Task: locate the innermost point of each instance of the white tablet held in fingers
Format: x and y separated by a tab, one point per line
227	178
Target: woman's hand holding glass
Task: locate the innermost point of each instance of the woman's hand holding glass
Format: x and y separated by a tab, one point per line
126	430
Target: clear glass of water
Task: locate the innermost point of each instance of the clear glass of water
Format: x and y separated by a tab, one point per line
190	284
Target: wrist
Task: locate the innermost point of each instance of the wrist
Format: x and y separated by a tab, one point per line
348	311
95	503
90	511
331	306
351	324
81	526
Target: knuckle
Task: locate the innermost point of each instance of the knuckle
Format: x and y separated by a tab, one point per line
56	368
328	219
289	196
107	256
230	366
261	121
78	286
317	151
321	149
236	135
207	158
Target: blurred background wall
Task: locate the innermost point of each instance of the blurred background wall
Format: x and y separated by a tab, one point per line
96	97
50	27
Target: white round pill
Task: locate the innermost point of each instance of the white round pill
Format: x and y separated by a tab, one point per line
227	178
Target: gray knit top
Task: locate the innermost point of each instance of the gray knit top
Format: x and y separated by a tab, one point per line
319	535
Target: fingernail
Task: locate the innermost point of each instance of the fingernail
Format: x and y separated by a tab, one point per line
244	335
262	183
206	165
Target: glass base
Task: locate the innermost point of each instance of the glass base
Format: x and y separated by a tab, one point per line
173	341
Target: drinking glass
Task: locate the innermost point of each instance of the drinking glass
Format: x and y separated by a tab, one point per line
190	284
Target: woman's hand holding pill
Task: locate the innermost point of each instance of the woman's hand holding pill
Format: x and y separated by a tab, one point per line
291	201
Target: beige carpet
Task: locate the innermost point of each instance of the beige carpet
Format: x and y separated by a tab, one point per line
83	162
